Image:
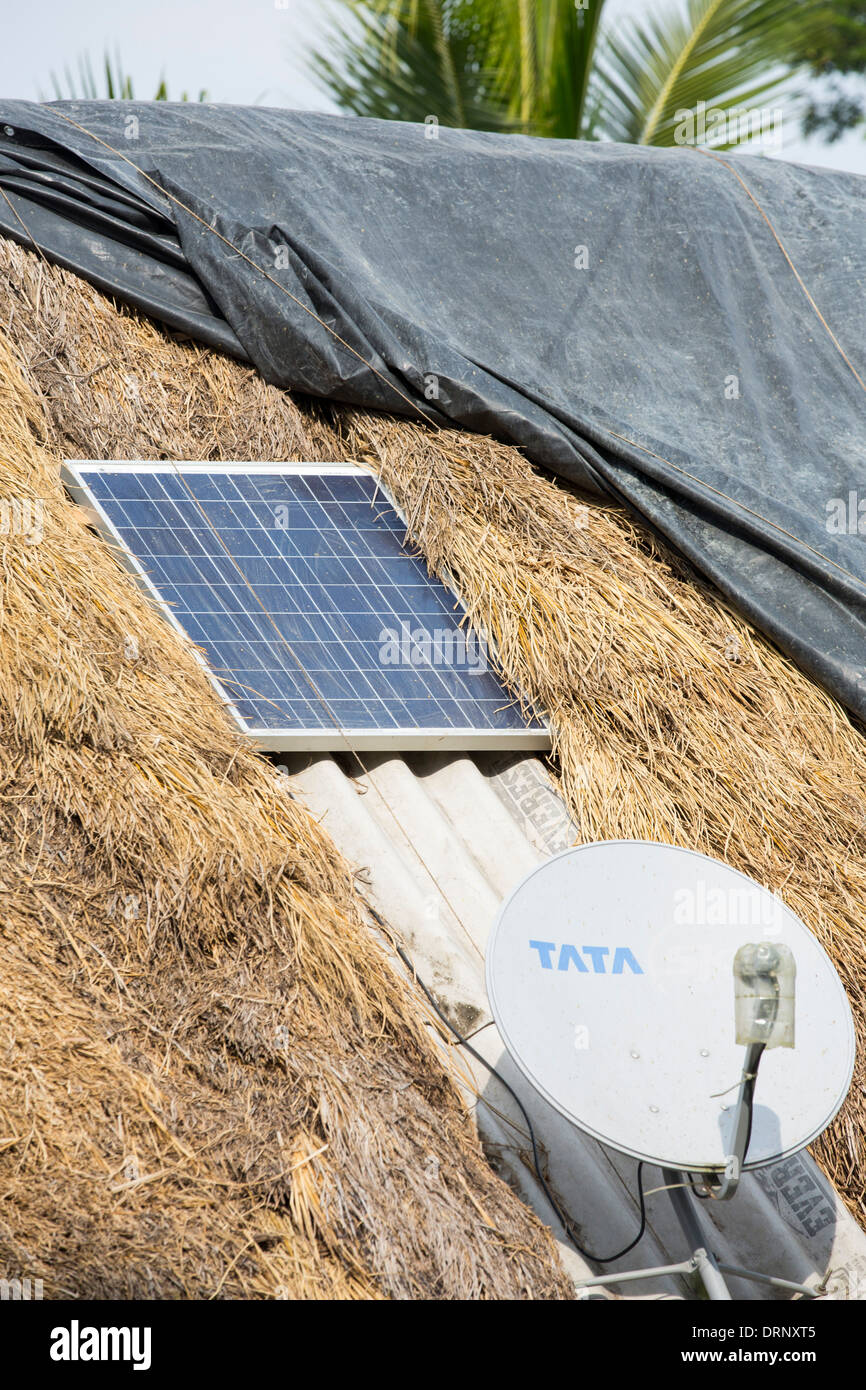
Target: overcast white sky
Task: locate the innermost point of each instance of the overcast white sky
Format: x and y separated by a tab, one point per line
241	50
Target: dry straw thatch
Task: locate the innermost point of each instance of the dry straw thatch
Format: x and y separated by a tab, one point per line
213	1081
674	720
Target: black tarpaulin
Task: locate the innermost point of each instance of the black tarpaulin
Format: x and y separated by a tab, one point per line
682	331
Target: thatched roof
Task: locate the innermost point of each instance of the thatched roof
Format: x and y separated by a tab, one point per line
673	720
214	1080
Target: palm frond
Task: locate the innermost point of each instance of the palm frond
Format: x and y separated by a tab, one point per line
117	85
412	59
542	57
728	55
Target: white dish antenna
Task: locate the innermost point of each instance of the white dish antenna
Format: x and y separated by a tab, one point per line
610	976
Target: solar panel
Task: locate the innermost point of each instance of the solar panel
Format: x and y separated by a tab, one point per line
319	627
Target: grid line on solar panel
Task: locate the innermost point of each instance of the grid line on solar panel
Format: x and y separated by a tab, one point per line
324	556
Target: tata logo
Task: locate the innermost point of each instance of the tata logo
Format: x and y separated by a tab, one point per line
570	956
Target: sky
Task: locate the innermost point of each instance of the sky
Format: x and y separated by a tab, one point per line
244	51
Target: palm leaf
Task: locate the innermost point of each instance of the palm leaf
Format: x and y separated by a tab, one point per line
411	59
542	56
732	55
117	84
539	66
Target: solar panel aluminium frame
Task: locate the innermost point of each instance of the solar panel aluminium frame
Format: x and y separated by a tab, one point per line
338	738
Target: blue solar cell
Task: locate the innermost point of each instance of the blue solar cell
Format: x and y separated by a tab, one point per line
124	486
169	484
354	634
327	655
347	488
203	486
335	685
318	487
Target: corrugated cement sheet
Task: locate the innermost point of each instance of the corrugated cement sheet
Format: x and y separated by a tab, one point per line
439	841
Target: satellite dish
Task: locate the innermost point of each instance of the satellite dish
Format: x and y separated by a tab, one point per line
609	972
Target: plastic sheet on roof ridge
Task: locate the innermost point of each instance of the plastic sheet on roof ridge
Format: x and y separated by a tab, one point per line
624	314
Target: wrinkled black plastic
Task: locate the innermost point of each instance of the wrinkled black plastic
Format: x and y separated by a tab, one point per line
626	315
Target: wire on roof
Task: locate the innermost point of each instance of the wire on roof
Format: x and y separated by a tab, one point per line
568	1225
